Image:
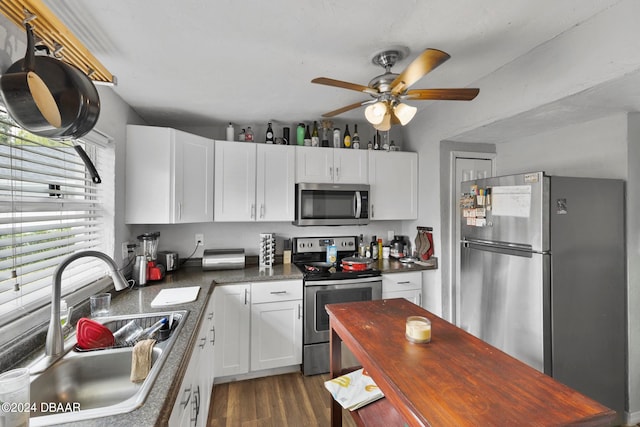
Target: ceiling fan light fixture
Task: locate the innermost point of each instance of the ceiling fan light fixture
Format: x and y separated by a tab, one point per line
375	113
404	113
385	124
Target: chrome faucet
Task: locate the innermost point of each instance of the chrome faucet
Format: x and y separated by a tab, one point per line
55	341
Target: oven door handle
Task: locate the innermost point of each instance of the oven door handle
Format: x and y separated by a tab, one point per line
343	282
357	204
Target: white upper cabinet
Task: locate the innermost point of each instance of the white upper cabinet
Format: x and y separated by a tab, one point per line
393	177
253	182
235	181
331	165
275	183
169	176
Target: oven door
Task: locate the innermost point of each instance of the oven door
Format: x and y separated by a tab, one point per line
323	292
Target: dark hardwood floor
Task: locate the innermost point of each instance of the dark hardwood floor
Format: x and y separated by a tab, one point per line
281	400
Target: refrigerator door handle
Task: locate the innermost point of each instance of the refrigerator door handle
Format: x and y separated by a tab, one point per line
506	247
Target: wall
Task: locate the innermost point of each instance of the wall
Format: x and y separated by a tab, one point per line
633	264
597	149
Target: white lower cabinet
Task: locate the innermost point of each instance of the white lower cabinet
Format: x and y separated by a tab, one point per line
276	324
232	306
258	326
403	285
191	409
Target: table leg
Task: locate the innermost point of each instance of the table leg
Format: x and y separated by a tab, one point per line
335	367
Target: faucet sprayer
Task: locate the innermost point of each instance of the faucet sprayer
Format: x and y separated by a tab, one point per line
55	341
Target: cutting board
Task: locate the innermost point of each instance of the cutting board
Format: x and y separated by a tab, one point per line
174	296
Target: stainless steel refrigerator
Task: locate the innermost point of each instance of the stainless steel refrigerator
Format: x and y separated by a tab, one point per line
542	276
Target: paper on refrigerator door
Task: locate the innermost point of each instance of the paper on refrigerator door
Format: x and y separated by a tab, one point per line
511	200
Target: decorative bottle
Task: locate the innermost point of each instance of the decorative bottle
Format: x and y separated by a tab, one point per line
269	135
346	140
355	141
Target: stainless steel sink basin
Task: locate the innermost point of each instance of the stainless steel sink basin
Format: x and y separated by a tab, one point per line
90	384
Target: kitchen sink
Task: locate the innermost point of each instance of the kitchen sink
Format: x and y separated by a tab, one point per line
89	384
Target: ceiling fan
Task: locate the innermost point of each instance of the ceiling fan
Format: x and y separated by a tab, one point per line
389	90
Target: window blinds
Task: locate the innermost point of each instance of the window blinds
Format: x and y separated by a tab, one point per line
49	209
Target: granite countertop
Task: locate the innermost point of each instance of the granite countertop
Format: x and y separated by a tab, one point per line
159	403
392	265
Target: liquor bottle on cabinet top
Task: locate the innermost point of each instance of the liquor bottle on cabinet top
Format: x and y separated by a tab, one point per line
315	138
307	137
242	135
355	141
248	135
347	137
269	136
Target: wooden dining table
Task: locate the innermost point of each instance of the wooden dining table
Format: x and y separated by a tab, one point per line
454	380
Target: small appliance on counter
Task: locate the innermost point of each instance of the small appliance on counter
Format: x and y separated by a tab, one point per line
149	249
267	249
169	260
223	259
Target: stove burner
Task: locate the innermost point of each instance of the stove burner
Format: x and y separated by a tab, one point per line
337	273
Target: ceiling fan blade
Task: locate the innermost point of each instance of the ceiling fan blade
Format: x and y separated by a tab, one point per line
424	63
344	85
344	109
466	94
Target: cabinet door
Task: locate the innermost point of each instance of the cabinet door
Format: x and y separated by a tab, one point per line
393	177
275	183
432	292
314	164
186	409
205	347
149	172
193	178
235	181
276	334
232	314
350	166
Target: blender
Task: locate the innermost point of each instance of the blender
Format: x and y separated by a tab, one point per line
149	249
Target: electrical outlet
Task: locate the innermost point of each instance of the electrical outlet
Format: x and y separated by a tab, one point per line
125	250
199	239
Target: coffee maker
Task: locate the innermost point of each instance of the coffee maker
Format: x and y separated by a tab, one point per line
148	248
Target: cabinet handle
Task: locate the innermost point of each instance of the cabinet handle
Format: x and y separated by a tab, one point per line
337	173
179	210
196	406
331	171
246	292
210	316
372	214
262	210
213	336
299	311
406	282
203	342
253	211
420	299
278	292
186	391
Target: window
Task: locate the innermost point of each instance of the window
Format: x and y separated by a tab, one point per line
49	209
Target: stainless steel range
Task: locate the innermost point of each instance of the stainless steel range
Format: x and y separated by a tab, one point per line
328	286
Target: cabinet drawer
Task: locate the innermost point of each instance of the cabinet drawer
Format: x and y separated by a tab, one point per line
276	291
401	281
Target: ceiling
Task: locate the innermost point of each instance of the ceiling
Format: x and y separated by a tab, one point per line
199	63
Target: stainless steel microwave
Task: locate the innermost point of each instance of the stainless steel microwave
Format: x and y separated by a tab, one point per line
332	204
